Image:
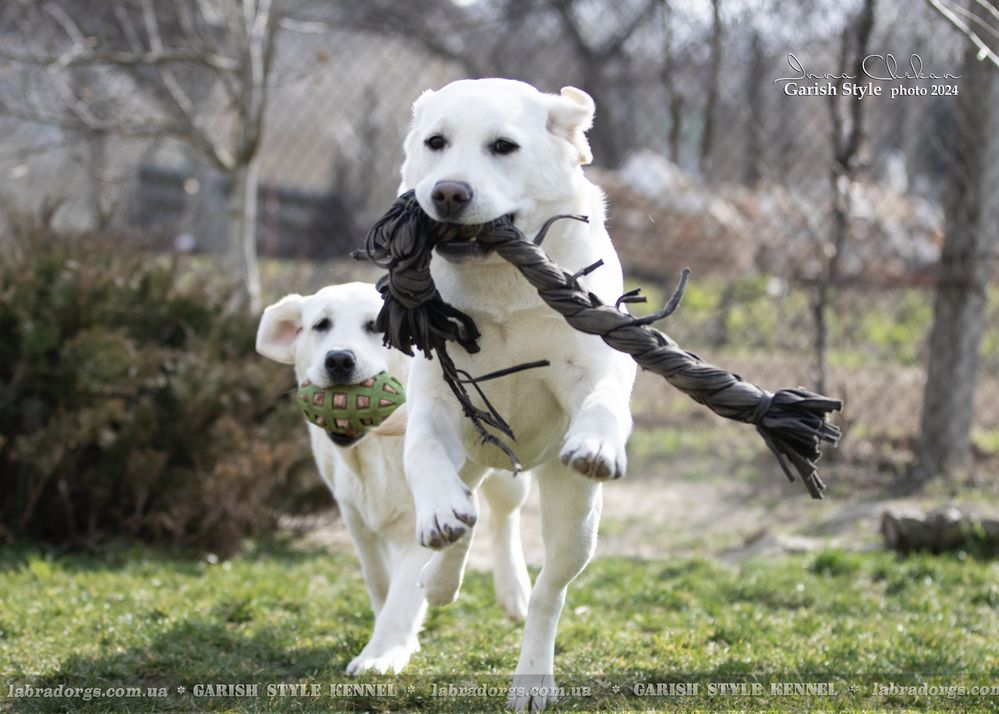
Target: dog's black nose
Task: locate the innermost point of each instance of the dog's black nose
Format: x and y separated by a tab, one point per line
451	197
340	365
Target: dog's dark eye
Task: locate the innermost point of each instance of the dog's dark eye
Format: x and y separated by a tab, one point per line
370	327
503	147
322	325
436	142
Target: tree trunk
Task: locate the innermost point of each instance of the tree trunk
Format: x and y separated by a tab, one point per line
714	76
604	136
97	160
258	49
820	347
847	135
675	126
959	307
242	252
719	331
674	97
756	93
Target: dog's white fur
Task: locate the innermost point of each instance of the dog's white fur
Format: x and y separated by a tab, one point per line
571	419
368	482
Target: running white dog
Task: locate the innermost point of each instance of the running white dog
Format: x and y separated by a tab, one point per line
330	338
478	150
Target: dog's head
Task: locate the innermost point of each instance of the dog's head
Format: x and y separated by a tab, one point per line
329	337
481	149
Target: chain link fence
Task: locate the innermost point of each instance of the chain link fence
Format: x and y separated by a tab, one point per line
818	257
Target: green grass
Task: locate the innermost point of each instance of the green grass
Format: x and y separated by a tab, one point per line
986	441
702	451
864	325
136	619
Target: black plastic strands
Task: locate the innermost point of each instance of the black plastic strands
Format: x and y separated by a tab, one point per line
792	422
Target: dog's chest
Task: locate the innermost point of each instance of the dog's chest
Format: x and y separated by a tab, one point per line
368	479
527	400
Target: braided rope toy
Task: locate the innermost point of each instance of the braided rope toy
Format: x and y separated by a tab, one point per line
792	422
351	409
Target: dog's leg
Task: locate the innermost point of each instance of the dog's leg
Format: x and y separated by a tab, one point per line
505	494
445	571
433	456
394	639
595	390
376	575
443	574
570	515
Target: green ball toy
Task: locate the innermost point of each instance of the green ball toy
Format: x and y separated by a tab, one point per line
351	409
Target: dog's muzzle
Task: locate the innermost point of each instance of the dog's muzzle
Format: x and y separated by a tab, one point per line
344	440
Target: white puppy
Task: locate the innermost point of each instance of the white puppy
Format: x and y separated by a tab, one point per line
330	339
478	150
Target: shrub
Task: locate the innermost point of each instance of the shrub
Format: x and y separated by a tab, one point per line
132	403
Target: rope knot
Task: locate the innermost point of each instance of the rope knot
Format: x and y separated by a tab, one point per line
762	409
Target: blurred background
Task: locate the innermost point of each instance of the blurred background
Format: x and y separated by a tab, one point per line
168	168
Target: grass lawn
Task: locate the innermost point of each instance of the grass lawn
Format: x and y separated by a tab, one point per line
277	616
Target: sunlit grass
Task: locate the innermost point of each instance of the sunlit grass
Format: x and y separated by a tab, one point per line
278	616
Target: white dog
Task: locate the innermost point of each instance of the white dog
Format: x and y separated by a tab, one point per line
330	338
478	150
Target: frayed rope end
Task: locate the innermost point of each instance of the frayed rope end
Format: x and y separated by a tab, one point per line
795	427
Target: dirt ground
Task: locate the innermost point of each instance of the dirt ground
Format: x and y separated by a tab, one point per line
698	485
657	518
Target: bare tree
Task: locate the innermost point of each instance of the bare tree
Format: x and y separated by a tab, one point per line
593	58
670	84
959	311
439	27
979	24
714	76
755	75
847	134
171	53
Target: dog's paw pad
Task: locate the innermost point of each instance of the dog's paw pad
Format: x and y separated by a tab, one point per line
594	457
445	526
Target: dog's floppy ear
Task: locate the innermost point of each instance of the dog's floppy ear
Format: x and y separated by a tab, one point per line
279	328
570	115
421	100
412	140
395	425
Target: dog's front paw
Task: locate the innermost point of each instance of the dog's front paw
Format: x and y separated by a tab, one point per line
532	692
393	659
446	521
594	456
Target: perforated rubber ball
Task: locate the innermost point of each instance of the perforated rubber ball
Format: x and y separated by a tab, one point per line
351	409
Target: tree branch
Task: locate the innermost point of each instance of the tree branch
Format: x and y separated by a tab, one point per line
303	27
259	50
136	130
83	51
571	26
984	52
201	139
988	7
66	22
614	45
865	24
975	19
91	56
